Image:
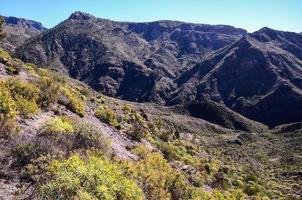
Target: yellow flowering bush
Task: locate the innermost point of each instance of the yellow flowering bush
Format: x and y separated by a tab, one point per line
8	111
91	178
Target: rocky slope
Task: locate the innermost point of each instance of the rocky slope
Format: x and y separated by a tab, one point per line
258	76
134	61
47	119
17	31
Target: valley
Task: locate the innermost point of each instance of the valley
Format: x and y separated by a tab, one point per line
98	109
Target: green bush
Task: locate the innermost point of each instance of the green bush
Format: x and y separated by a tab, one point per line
92	178
26	108
154	173
252	188
58	125
159	180
5	54
8	111
72	101
12	70
25	96
70	134
137	131
24	153
106	115
49	92
21	89
127	108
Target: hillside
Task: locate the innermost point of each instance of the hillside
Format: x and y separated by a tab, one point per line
17	31
55	128
115	56
98	109
257	74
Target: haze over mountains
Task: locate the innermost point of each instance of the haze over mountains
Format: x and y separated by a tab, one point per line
255	74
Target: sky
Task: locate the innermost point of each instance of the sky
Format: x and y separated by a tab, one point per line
248	14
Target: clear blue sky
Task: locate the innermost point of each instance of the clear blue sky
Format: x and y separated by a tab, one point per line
249	14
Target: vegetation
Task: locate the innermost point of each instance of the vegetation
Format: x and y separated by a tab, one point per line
92	178
68	157
70	99
8	111
2	34
71	134
106	115
25	95
49	92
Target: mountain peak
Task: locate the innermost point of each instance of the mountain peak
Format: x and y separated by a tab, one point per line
78	15
264	29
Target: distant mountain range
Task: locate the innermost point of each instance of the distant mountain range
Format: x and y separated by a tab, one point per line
18	30
204	67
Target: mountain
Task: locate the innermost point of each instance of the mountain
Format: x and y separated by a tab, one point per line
18	30
255	74
219	114
259	76
58	137
134	61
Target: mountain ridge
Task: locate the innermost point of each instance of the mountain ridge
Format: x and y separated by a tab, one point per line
266	66
18	30
172	62
192	131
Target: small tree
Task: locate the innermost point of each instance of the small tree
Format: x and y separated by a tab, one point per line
2	35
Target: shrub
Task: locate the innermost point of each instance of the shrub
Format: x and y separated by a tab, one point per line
154	174
30	66
7	111
24	90
26	107
252	188
72	102
127	108
24	153
106	115
49	92
14	66
87	136
170	151
159	180
25	95
5	54
70	134
137	131
58	125
142	151
12	70
92	178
